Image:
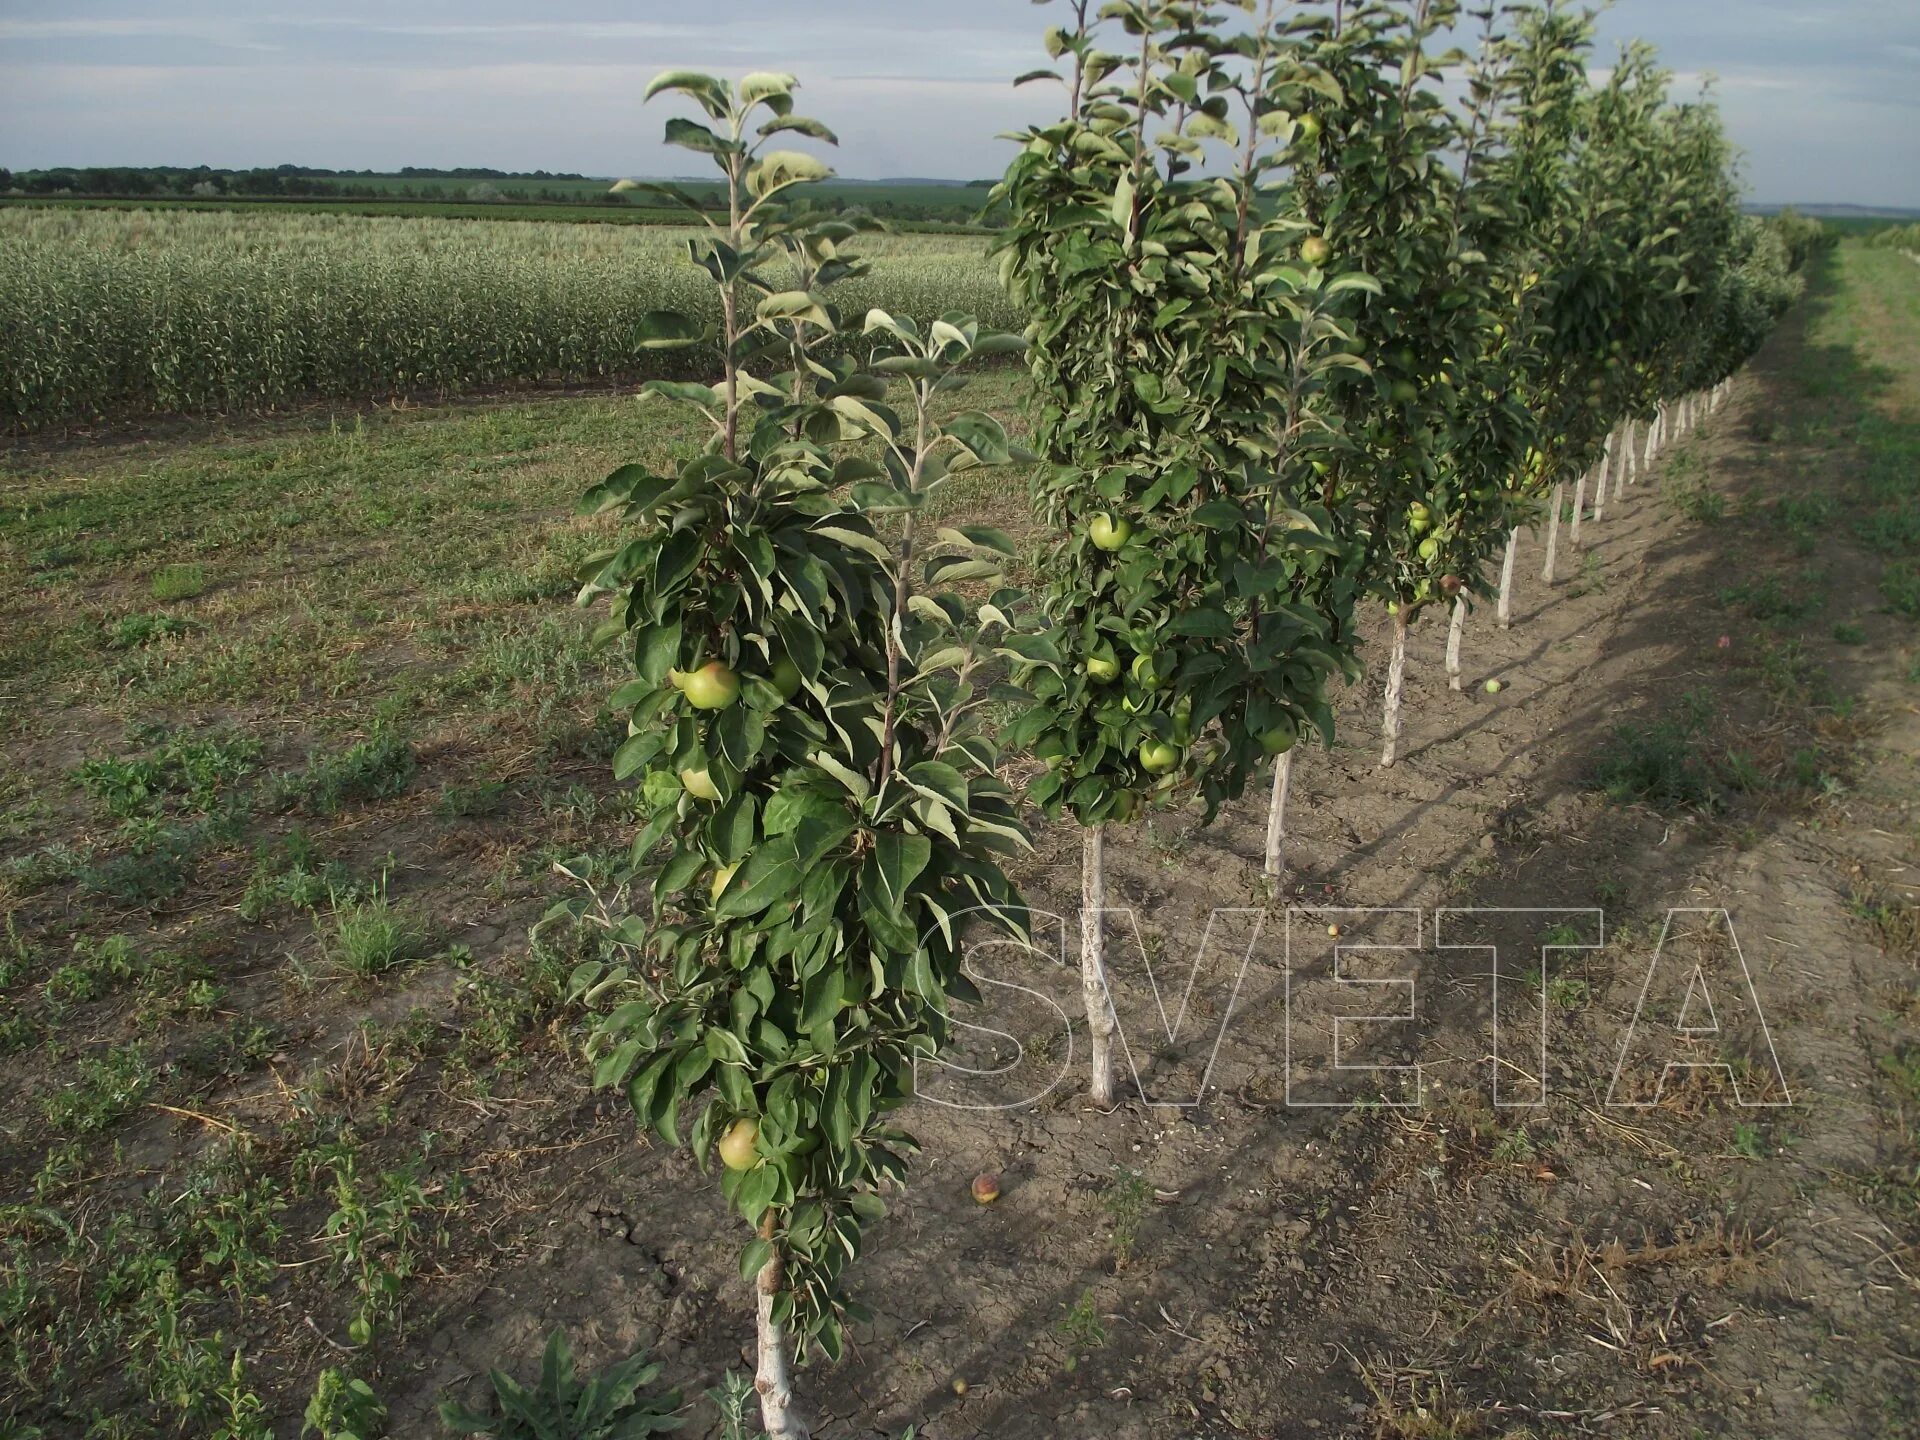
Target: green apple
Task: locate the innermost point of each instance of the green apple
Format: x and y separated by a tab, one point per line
737	1148
1147	672
1157	757
1430	547
786	677
1108	533
1315	250
1494	687
712	687
1102	667
1281	737
699	784
1418	511
1124	805
1309	128
1404	392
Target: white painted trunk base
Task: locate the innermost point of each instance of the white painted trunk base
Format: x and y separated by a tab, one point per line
1093	967
1505	612
1396	682
1553	532
1277	818
773	1377
1456	629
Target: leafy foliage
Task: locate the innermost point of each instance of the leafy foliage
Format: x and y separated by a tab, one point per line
610	1406
820	814
1184	339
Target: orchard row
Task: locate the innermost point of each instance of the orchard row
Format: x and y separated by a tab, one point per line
1309	335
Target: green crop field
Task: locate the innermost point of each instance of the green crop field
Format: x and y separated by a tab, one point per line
112	314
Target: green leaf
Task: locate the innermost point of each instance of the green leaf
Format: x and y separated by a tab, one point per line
898	859
772	873
667	330
691	135
793	305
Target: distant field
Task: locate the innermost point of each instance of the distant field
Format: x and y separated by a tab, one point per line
551	199
114	313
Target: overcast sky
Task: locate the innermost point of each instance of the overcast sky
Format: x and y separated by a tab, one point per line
1824	95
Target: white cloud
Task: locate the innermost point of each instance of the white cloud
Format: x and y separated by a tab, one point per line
204	32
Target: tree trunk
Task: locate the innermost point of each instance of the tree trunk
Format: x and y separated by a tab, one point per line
1277	819
1456	628
1093	965
1579	506
773	1379
1606	473
1625	472
1553	531
1396	681
1506	579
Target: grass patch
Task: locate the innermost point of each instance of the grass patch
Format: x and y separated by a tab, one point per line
1683	485
133	632
378	768
1771	598
1664	765
1900	588
368	938
182	771
179	582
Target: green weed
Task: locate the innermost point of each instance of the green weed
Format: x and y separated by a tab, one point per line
1662	765
617	1404
183	771
179	582
1125	1202
289	873
132	632
108	1087
366	938
1081	1325
379	767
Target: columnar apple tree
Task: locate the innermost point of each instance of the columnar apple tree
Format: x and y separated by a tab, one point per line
819	811
1195	604
1519	214
1416	467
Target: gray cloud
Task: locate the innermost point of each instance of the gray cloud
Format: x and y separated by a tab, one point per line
1821	98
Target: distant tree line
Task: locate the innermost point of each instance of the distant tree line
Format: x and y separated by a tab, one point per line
291	181
906	203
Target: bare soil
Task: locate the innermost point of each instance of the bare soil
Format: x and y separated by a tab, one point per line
1716	1251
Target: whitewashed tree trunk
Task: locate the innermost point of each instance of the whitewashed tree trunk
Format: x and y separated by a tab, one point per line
1579	505
1553	531
1093	966
1277	818
1506	579
1606	471
1625	472
1456	629
773	1377
1396	682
